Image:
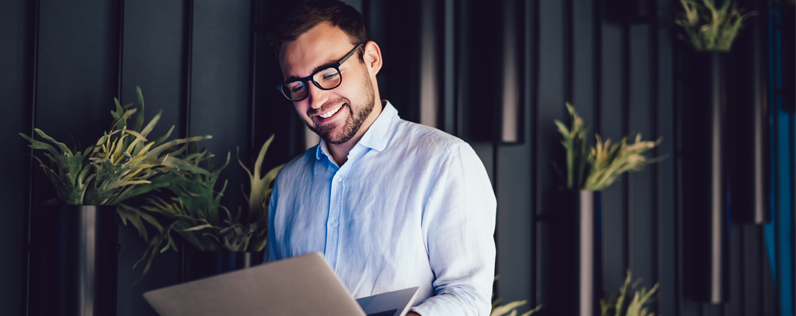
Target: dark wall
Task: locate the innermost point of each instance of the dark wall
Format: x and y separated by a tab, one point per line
65	61
15	117
208	65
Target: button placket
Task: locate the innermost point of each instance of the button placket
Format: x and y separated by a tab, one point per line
332	230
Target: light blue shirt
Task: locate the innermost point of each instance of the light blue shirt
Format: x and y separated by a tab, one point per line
412	206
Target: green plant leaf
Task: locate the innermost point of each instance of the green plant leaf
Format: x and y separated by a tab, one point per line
709	28
140	119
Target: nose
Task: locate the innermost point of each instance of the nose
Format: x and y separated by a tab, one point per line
317	96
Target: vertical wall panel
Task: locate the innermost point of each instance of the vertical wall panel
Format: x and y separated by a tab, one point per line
399	77
530	98
16	60
687	307
450	80
583	52
641	233
463	11
220	86
752	252
668	298
735	303
515	204
712	310
77	68
481	70
612	126
153	53
153	60
550	107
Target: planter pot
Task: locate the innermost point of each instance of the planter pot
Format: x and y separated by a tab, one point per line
202	264
705	181
573	254
74	251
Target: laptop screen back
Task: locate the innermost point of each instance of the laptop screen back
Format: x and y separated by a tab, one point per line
303	285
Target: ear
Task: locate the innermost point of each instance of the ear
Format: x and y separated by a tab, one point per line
372	57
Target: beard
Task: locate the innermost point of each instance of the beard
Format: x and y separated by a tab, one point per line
358	110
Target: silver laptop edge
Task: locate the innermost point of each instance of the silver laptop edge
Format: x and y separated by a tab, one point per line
301	285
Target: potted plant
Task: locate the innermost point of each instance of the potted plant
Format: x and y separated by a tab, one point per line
710	31
80	270
225	240
574	225
709	28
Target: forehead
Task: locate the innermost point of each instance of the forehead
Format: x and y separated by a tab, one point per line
322	44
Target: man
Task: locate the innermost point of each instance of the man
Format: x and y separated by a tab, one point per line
391	204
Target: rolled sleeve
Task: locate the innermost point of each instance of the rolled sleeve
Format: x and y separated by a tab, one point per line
459	225
270	245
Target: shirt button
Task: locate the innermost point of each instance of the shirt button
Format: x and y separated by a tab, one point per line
334	223
338	178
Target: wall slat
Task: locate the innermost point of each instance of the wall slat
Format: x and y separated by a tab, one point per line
641	210
663	63
612	126
17	64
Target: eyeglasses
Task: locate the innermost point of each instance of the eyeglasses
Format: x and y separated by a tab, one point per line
327	78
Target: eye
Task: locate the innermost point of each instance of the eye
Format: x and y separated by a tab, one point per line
296	86
330	73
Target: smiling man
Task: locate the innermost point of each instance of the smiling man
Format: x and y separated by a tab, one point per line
391	204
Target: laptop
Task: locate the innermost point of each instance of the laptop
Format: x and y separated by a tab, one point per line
302	285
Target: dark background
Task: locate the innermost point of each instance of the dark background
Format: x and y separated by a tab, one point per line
495	74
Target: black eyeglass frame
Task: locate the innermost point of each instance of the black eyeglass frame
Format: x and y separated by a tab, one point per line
309	78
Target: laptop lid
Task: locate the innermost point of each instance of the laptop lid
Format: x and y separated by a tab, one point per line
302	285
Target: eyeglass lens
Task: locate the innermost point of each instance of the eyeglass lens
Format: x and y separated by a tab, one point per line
326	79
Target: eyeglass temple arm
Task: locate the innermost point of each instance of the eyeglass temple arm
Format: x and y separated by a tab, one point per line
351	53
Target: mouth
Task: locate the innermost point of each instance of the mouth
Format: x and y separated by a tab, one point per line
325	116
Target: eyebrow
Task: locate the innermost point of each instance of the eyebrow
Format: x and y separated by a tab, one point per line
323	66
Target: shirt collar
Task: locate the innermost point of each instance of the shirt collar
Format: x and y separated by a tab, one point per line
377	136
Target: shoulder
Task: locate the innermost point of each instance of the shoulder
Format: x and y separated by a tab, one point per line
296	167
428	139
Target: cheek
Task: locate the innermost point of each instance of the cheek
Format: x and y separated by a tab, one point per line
353	80
301	108
350	89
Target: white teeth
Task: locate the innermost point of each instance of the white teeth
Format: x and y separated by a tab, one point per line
330	113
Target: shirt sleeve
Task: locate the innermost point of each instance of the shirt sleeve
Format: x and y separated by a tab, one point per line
270	247
459	225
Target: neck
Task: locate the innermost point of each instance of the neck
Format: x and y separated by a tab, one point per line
340	152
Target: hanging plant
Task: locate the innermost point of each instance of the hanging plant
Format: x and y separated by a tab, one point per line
711	28
597	167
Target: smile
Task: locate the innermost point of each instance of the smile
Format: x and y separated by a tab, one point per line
332	112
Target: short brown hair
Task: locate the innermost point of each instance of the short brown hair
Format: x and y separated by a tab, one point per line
313	12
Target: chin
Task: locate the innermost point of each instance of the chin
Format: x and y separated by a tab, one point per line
333	140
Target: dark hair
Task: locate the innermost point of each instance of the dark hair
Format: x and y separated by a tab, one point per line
313	12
